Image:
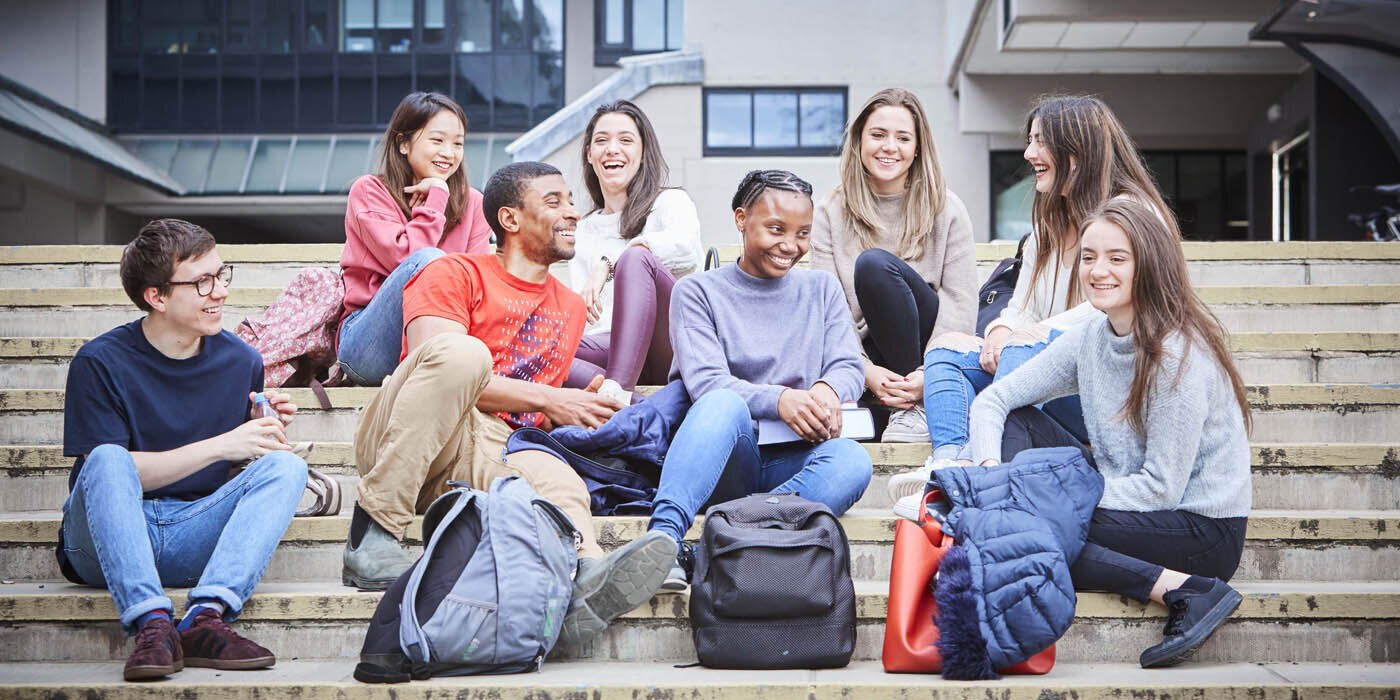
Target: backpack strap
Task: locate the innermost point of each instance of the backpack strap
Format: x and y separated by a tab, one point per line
412	639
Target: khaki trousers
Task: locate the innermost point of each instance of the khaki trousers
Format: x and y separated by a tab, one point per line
423	429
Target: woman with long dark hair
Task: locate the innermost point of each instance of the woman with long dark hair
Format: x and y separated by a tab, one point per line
639	239
417	208
1167	415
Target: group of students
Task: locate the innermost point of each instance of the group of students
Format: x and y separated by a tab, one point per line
467	344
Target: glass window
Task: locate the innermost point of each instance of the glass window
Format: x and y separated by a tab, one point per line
230	161
729	120
158	152
269	161
276	93
549	86
239	27
675	24
511	20
276	26
191	164
395	75
823	119
318	25
239	103
499	157
1013	192
434	22
472	88
434	72
316	92
124	99
349	160
473	26
774	120
126	38
160	26
549	25
395	25
648	25
357	23
199	93
354	90
474	155
613	16
160	101
307	165
200	20
513	90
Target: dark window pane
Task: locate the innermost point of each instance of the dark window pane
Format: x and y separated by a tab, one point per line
201	26
774	120
199	106
473	88
239	36
434	72
434	22
1163	168
729	118
277	92
239	101
823	119
1013	192
124	98
1201	202
473	25
675	24
513	93
549	86
127	23
158	152
160	26
512	24
549	25
395	80
1236	197
349	160
395	25
191	164
226	170
308	165
316	96
614	14
354	104
269	161
357	25
160	104
318	25
648	25
276	23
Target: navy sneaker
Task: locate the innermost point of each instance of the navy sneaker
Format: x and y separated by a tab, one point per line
1192	616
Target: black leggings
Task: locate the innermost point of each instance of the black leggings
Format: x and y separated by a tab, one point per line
899	307
1126	551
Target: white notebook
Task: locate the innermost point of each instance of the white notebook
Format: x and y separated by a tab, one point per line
856	424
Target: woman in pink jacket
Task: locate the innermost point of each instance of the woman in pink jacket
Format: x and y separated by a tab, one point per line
418	208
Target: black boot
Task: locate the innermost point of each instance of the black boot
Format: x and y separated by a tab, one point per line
1194	611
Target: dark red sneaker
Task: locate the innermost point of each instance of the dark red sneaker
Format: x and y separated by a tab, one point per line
158	652
210	643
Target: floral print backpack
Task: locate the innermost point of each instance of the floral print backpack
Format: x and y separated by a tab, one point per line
296	335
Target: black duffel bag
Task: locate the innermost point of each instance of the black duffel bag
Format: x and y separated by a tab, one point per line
996	291
772	586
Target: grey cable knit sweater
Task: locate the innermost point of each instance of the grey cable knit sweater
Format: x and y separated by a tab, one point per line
1195	455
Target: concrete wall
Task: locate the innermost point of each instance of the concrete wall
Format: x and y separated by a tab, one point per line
58	47
49	197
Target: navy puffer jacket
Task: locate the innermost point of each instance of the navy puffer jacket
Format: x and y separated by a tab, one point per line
1004	592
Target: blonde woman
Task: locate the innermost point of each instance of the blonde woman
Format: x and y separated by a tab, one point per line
901	244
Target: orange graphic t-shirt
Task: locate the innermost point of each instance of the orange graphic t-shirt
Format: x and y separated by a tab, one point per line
532	330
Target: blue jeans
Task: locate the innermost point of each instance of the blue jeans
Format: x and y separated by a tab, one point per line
952	379
715	457
220	544
371	339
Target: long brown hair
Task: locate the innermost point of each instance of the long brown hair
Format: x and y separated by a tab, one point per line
1107	165
394	171
1163	303
645	185
924	194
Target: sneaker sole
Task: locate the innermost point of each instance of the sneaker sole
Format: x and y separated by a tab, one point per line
907	484
1210	623
633	581
366	584
232	664
898	436
145	673
907	508
674	586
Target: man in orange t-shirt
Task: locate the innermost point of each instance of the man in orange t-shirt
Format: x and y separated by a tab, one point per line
487	342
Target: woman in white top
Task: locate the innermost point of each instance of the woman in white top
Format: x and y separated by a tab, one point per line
1082	156
629	252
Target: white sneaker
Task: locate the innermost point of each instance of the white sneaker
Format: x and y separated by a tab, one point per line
907	425
908	507
911	483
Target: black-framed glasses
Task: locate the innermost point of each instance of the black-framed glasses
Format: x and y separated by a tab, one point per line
205	285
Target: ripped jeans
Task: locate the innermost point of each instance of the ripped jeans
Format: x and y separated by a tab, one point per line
953	378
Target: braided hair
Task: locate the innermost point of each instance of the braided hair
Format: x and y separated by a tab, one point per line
756	181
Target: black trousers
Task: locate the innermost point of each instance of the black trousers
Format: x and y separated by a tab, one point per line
1126	551
899	307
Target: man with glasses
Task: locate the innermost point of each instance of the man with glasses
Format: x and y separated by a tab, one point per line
158	411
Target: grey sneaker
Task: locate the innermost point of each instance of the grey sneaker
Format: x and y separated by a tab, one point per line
608	587
679	578
907	425
376	563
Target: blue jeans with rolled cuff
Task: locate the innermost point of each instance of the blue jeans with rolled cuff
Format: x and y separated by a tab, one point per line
371	338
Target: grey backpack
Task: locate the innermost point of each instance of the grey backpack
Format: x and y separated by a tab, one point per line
488	595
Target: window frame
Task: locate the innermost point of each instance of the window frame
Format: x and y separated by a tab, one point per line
607	55
798	91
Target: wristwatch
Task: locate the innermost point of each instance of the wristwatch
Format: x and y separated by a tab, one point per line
611	270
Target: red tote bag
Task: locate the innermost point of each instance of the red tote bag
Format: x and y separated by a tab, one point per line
910	632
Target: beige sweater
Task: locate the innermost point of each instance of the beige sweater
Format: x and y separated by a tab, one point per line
948	263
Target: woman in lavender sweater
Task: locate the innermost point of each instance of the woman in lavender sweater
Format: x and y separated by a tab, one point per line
760	340
1168	419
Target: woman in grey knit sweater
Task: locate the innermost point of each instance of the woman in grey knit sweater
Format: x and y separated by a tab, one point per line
1167	417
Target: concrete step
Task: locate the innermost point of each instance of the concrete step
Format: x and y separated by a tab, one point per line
1262	358
866	680
1282	413
1299	476
573	680
1345	622
85	311
274	264
1301	545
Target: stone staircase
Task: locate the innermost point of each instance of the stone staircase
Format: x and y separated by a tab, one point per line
1316	332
